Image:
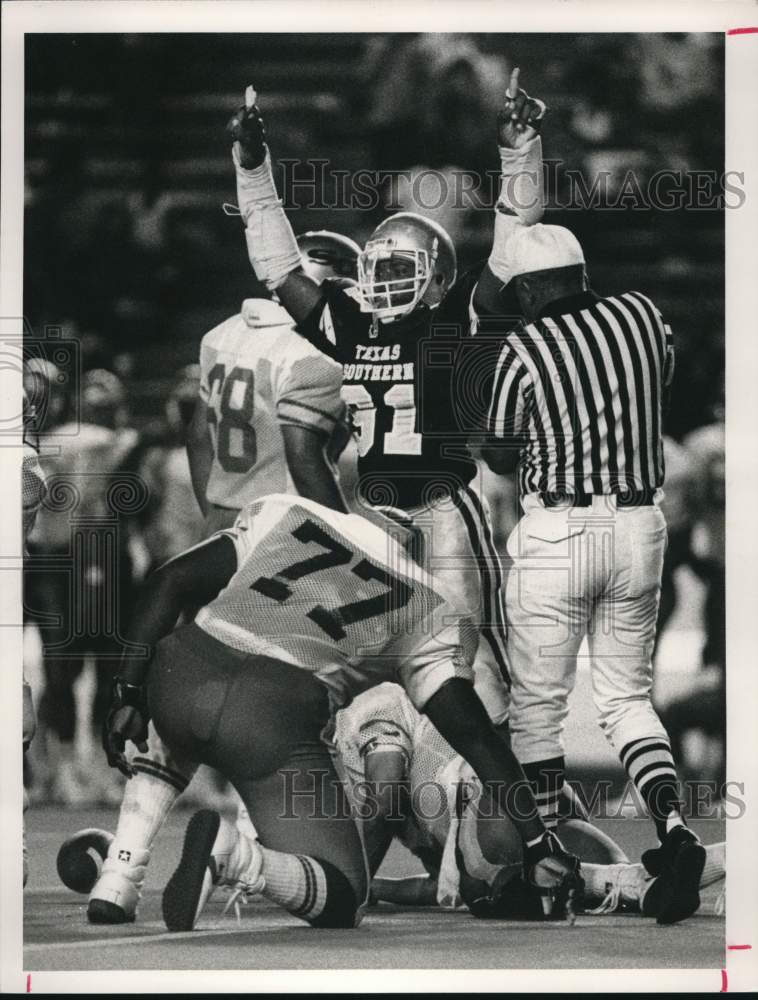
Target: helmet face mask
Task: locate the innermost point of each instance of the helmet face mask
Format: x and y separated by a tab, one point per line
409	261
393	282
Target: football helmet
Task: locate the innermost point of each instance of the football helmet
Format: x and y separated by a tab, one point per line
328	255
407	261
44	397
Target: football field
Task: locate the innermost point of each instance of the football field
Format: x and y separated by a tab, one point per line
58	937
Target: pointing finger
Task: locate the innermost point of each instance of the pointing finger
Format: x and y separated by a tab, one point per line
513	86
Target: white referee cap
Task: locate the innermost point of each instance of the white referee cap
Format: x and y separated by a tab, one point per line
537	248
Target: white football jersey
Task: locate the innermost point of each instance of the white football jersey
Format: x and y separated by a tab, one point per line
332	593
384	719
257	374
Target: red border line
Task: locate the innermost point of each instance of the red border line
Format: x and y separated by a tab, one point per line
742	31
739	947
724	981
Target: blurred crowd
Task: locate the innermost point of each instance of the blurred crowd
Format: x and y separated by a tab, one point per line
128	252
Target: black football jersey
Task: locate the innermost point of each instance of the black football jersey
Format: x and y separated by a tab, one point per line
401	385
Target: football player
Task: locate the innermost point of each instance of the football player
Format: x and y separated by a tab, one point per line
302	607
409	783
81	567
264	394
268	417
172	520
412	451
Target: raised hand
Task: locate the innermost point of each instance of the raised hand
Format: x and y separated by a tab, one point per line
247	129
521	117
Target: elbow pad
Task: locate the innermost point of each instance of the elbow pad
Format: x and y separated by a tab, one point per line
271	245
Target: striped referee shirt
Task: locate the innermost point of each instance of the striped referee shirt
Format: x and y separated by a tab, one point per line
580	393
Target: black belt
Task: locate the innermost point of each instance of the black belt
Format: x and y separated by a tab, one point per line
626	498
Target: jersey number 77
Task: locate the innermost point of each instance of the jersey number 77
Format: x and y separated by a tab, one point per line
333	621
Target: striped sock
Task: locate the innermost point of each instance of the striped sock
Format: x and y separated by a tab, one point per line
295	881
148	798
547	780
649	763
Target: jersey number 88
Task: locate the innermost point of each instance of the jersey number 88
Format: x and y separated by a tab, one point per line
231	401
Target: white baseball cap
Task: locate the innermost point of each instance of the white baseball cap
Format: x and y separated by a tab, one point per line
537	248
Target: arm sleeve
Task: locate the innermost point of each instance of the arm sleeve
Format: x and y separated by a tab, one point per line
507	411
521	201
271	245
308	393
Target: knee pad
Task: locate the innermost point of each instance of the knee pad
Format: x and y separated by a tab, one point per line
341	908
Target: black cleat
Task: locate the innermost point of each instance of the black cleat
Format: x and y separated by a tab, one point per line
189	887
679	864
100	911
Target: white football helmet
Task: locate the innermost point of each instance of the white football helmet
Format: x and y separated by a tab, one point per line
408	260
325	254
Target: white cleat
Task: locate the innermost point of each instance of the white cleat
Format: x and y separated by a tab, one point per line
215	853
627	887
116	894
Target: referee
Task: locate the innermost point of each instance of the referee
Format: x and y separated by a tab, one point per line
576	407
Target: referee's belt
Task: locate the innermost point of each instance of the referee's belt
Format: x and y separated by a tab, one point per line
624	498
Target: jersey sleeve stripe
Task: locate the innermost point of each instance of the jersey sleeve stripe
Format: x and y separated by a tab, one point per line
296	404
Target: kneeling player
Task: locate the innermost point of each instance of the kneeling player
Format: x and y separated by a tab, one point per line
301	609
407	782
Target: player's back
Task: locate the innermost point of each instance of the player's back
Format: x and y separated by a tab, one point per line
256	375
331	593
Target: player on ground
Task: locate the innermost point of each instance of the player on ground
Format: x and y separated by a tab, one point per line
302	608
267	417
412	452
409	783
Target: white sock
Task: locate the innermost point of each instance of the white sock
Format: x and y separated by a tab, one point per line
673	819
294	881
146	804
715	864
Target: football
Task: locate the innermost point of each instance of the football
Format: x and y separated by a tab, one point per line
80	858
